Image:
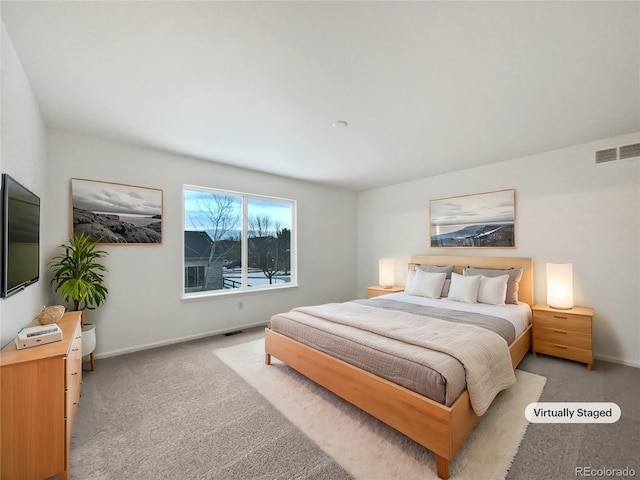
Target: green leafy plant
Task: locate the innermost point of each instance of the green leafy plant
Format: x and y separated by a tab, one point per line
77	273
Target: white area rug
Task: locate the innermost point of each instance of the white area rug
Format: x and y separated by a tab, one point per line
369	449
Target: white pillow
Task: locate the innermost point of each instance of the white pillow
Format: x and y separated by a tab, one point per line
493	290
464	288
411	280
427	284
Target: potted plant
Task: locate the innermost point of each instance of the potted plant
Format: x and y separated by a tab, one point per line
77	276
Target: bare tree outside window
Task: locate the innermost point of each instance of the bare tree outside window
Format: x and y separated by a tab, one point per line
220	225
269	247
219	218
213	236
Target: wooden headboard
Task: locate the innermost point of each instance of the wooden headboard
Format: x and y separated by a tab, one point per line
525	294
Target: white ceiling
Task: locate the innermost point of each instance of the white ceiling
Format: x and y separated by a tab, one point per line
426	87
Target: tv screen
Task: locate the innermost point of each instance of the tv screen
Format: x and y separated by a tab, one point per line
20	237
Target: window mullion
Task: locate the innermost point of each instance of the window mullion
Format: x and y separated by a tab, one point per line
245	242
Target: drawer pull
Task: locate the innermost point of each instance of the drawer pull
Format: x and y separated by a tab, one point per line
560	331
560	346
74	349
558	316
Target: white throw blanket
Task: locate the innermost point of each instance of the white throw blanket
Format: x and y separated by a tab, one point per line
484	355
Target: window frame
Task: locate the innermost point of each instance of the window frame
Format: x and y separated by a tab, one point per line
243	289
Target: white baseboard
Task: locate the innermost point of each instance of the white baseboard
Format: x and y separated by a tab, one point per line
172	341
605	358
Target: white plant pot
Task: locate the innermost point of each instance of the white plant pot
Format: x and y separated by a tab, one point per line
88	339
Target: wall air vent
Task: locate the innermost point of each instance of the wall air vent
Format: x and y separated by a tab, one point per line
608	155
630	151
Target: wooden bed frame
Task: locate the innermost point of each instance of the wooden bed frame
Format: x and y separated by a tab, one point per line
438	428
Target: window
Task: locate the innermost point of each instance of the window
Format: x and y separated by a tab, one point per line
193	277
236	241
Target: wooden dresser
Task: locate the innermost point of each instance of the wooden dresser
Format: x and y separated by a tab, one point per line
40	390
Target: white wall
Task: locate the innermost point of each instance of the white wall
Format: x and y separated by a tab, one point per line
23	157
567	210
145	281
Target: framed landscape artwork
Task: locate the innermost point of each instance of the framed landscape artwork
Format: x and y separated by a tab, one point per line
116	213
483	220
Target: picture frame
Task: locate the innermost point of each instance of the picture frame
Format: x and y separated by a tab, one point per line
116	213
481	220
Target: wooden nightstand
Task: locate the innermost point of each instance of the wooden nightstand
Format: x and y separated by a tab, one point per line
564	333
380	290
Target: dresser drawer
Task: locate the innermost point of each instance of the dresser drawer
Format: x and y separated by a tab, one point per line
571	353
73	377
563	321
74	358
72	392
562	337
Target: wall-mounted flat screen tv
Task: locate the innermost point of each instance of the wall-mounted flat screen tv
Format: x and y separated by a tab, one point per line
20	237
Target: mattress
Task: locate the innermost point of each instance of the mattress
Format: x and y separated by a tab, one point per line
434	374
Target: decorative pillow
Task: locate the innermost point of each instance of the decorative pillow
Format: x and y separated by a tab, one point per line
446	287
464	288
493	290
51	314
427	284
515	274
436	269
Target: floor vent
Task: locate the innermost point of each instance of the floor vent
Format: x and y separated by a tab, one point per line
608	155
232	333
630	151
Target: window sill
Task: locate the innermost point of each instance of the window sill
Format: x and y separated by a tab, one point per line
196	297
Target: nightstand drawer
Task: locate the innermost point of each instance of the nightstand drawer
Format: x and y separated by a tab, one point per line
571	353
378	290
375	293
563	321
562	337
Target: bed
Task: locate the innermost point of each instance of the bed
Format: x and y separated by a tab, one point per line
439	424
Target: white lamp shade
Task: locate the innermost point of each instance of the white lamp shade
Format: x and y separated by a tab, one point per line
386	272
560	285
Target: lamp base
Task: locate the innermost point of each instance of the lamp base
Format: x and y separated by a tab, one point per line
561	308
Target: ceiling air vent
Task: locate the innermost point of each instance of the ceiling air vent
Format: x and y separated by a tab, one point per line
608	155
629	151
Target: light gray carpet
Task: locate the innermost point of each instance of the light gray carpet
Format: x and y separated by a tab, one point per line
371	450
115	439
553	451
178	412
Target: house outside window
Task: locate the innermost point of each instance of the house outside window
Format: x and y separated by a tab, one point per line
236	242
193	277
